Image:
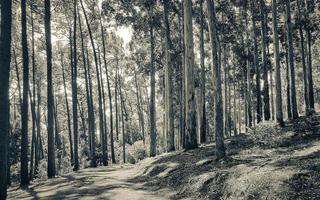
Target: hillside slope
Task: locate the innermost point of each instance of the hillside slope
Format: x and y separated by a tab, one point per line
268	163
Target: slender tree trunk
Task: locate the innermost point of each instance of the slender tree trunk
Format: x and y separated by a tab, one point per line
234	107
24	113
116	100
38	123
75	90
168	83
153	131
5	47
103	135
67	108
33	100
51	168
203	78
256	64
293	99
191	135
139	105
109	93
98	78
264	33
91	125
304	66
123	113
92	117
309	55
181	83
33	139
216	69
277	78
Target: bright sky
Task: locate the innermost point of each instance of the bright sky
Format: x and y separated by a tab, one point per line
125	33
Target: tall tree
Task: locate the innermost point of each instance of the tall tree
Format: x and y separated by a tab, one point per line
51	168
169	126
203	78
216	69
67	109
279	115
304	66
101	128
5	47
24	113
293	99
264	33
153	131
74	89
308	26
256	64
109	91
190	104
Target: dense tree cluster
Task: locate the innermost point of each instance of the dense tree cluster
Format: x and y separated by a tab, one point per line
74	93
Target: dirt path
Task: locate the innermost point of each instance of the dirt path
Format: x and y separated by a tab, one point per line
110	183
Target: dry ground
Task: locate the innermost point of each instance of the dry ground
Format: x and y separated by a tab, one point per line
269	163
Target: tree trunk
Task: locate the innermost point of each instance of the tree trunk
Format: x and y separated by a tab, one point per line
5	47
139	105
51	168
91	124
203	78
168	83
293	99
109	93
309	56
33	101
256	65
264	33
104	134
75	90
24	113
98	78
216	69
153	131
277	77
304	67
67	108
191	135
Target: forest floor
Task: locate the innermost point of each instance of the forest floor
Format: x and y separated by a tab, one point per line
269	163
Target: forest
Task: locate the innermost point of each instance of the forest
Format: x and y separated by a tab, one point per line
160	99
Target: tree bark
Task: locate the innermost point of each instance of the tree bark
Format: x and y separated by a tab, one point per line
256	65
277	78
153	132
51	168
190	120
309	55
75	89
5	47
293	99
203	78
266	98
216	69
24	177
304	66
168	83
